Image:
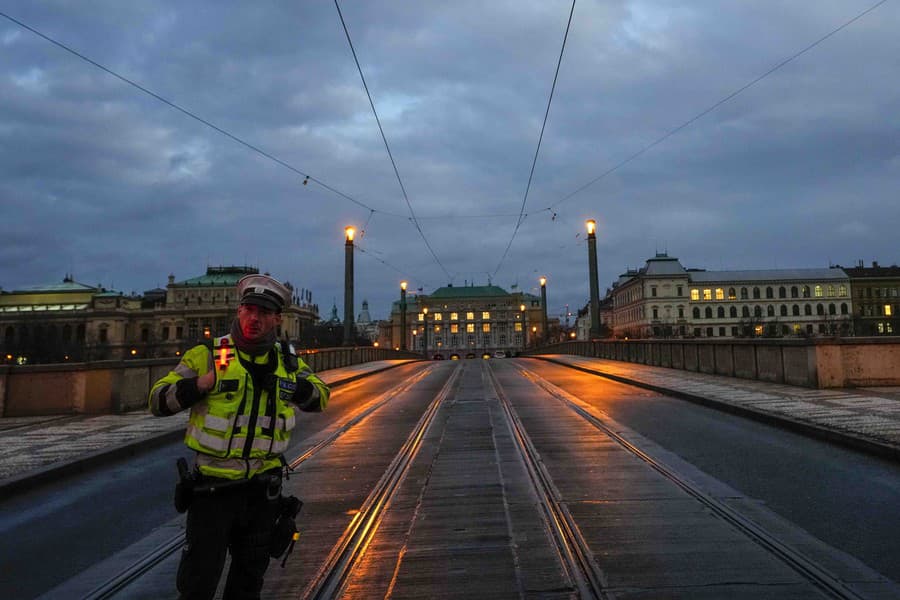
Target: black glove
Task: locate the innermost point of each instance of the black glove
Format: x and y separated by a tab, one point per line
303	392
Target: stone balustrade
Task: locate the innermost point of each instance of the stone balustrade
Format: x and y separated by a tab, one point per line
816	363
116	386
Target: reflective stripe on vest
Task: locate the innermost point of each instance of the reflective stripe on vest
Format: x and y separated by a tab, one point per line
215	443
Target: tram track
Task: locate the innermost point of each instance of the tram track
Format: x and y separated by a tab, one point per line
574	553
165	549
334	573
830	584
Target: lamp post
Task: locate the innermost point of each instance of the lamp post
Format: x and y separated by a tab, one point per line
524	327
348	286
592	269
425	333
403	315
544	332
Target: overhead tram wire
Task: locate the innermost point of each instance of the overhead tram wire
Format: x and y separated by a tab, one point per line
386	145
714	106
235	138
196	117
540	139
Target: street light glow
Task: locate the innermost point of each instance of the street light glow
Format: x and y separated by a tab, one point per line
403	285
591	226
350	231
543	281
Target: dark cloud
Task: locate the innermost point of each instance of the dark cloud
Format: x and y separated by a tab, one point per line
100	179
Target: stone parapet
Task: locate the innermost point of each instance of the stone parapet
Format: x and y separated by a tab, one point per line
118	386
816	363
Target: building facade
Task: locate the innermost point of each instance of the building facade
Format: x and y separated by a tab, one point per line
73	321
876	299
469	320
663	299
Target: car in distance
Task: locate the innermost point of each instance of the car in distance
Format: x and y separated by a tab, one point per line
438	357
454	356
470	355
499	354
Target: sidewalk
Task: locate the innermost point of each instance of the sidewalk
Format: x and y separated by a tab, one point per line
37	449
866	418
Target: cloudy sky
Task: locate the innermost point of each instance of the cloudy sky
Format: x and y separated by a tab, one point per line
102	180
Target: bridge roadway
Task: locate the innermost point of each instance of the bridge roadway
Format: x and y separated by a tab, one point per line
482	479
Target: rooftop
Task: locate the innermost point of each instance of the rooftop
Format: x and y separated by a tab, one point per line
219	276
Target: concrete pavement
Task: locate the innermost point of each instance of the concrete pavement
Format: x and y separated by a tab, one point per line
37	449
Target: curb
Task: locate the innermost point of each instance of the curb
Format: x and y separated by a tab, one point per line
34	478
843	438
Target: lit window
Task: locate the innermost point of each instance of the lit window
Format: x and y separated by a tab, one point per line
830	291
454	316
707	294
818	291
758	330
720	294
888	310
517	327
470	316
437	328
486	327
421	317
470	327
485	315
695	294
842	291
454	328
438	317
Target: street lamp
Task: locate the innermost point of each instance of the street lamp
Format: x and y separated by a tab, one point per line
425	332
403	316
348	286
544	309
592	269
524	327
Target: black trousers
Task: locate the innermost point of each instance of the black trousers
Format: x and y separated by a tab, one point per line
239	521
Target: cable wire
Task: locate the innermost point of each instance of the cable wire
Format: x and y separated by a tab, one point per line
386	145
540	139
194	116
716	105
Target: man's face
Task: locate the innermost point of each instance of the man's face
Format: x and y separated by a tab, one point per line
256	322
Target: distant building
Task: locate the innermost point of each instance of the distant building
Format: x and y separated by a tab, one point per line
876	299
73	321
366	328
469	320
663	299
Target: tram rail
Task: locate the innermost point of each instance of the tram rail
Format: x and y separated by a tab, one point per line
579	565
121	581
828	583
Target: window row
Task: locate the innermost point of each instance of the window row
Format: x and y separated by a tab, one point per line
784	311
470	327
454	316
803	291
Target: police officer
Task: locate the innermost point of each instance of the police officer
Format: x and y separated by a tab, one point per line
243	394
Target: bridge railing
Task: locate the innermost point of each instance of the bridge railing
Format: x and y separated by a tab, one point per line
117	386
814	362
